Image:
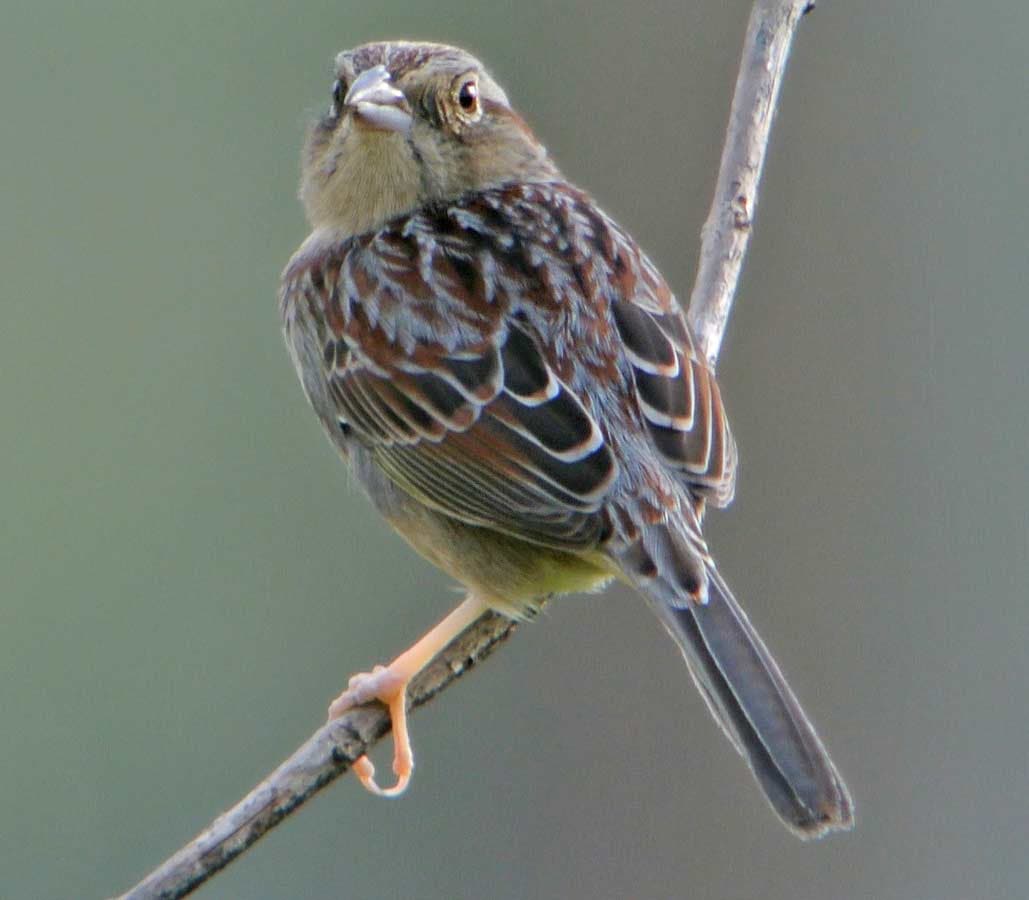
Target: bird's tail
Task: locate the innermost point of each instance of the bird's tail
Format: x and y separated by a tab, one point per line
744	688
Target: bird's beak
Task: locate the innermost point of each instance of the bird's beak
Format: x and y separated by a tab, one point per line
377	104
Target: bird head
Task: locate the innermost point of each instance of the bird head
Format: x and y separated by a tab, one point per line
411	124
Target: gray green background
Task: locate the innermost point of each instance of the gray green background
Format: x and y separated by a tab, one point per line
187	577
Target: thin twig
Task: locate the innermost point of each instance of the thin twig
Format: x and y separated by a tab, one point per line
332	750
726	232
327	754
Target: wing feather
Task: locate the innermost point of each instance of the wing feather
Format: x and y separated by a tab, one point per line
444	342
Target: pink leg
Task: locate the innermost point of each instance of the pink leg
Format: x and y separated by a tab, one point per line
388	684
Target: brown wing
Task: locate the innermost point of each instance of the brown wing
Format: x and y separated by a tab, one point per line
453	397
679	399
493	356
675	389
489	435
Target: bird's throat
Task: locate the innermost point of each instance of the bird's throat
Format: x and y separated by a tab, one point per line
376	180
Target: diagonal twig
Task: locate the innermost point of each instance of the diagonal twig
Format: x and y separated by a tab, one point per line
331	751
726	231
323	757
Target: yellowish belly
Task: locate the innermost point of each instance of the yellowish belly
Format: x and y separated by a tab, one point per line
512	575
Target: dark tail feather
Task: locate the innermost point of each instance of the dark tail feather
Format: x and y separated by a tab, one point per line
752	702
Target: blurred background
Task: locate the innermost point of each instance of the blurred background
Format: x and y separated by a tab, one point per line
188	578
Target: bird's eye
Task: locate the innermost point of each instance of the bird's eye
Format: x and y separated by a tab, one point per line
468	97
339	92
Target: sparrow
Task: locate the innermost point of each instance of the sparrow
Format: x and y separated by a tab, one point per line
516	388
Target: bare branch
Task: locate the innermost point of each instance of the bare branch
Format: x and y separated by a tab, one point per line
332	750
326	755
727	229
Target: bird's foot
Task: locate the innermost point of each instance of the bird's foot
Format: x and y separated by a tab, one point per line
387	686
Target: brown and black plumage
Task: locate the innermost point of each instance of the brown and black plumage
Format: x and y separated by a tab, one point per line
517	390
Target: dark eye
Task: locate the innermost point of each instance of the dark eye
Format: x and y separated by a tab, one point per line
468	97
339	92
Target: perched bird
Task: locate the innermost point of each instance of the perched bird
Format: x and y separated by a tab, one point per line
516	388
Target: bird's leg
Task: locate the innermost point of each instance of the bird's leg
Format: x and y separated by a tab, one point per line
388	684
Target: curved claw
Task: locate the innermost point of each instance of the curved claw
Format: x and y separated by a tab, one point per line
365	772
